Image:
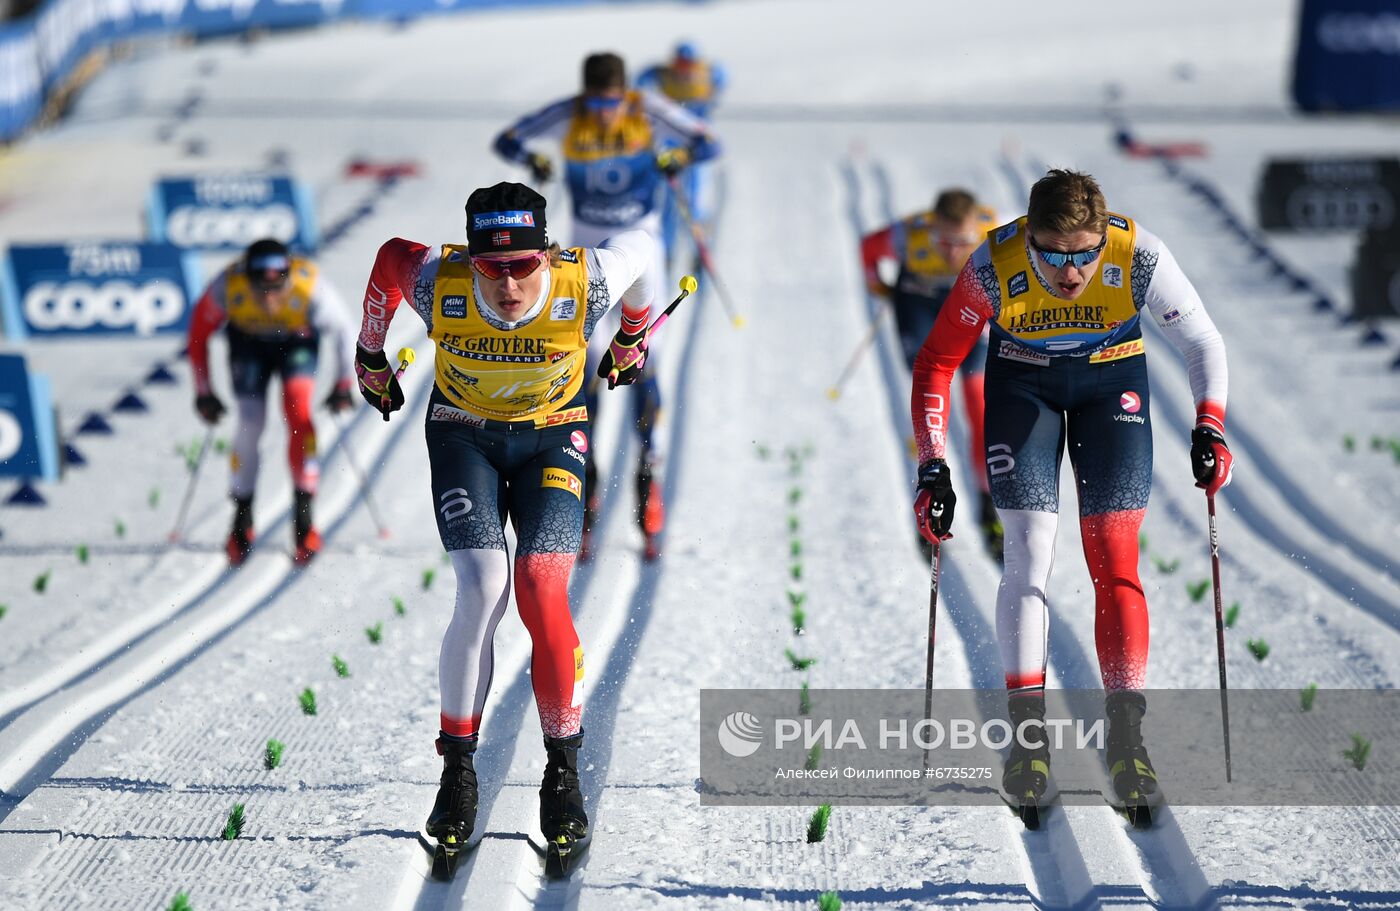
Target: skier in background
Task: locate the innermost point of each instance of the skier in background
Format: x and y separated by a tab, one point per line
1063	288
930	248
695	84
507	437
618	146
277	307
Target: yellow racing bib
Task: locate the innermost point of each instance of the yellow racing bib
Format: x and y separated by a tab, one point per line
527	373
250	313
1033	317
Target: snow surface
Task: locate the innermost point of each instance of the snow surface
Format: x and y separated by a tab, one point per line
137	692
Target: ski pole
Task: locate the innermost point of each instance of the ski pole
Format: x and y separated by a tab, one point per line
932	621
687	288
189	488
361	476
834	392
682	203
406	356
1219	630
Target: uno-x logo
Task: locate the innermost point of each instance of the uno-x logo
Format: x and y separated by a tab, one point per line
118	304
455	508
196	226
999	459
740	734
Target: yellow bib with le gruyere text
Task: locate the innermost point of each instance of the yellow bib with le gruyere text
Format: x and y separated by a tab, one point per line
520	374
921	254
1030	315
589	140
251	313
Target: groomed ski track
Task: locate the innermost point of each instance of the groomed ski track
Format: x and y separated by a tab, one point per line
136	695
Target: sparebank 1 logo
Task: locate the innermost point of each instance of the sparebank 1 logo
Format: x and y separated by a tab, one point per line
740	734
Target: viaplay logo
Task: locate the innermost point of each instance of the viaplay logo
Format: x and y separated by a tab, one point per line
740	734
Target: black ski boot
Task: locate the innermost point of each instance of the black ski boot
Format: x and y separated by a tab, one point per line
563	821
454	812
992	532
1026	776
592	502
240	538
1129	768
307	538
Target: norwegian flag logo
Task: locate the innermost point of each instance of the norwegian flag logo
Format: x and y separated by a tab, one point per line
500	238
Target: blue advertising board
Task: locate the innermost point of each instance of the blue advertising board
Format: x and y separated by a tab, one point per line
230	211
90	288
28	442
1348	56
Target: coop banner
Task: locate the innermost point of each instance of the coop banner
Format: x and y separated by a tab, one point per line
230	211
1348	56
92	288
871	747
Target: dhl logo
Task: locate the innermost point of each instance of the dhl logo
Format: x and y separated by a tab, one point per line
567	416
1117	352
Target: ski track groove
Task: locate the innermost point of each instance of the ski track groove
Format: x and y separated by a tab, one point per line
27	766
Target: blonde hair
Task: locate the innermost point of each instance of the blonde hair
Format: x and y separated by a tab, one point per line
954	205
1064	202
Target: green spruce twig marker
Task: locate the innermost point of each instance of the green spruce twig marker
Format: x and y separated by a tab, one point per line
221	446
120	528
794	495
796	598
181	902
816	826
341	668
399	609
797	572
799	621
763	452
308	701
1377	443
1142	541
375	633
153	498
1258	648
82	552
795	548
793	524
41	581
1197	590
1164	567
1307	697
798	664
814	757
1232	614
3	610
1349	443
234	827
272	755
829	901
804	703
428	575
1358	754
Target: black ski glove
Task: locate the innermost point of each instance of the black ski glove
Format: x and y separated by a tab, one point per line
935	502
378	384
209	407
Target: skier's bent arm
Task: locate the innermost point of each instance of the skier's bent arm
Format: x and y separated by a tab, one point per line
395	272
209	315
624	262
956	331
874	248
1183	319
550	121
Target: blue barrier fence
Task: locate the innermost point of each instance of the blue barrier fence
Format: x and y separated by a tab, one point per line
39	53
